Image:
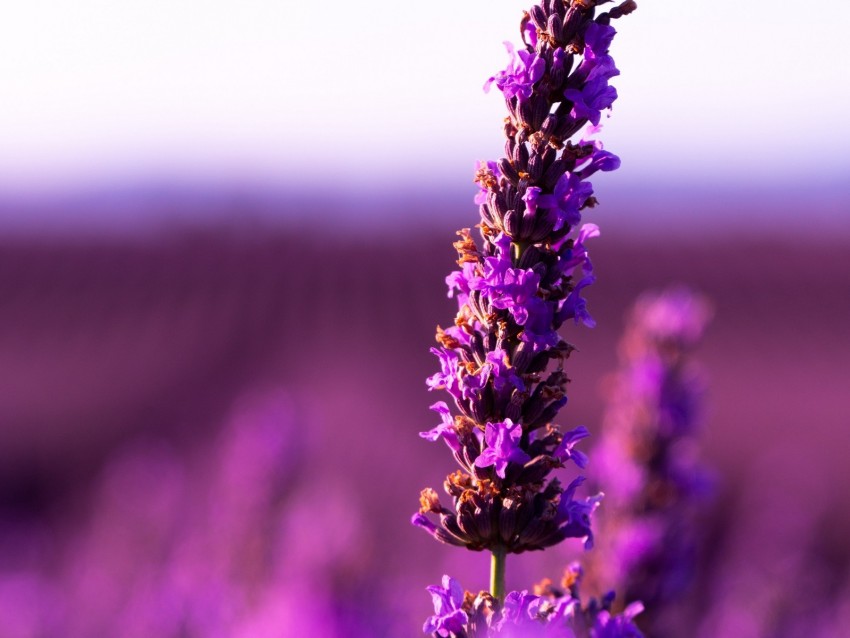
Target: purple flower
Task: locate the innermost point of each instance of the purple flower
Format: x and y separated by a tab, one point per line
512	289
600	160
610	626
449	376
598	38
519	78
520	609
487	175
461	336
678	315
574	516
507	288
566	201
445	429
592	99
564	452
531	197
538	328
461	280
597	64
473	383
449	616
575	307
578	257
503	446
560	615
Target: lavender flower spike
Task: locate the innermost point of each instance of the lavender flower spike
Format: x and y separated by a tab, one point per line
502	361
646	459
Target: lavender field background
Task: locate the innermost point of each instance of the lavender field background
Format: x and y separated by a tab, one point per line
222	260
212	430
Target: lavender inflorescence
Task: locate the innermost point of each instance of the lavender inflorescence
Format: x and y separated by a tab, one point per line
647	457
502	362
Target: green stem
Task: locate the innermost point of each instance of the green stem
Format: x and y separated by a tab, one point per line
518	250
497	574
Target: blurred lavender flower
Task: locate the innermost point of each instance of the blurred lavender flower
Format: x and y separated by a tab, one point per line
778	574
646	460
502	362
548	612
220	542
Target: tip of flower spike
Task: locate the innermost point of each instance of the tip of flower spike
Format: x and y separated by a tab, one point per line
623	9
676	314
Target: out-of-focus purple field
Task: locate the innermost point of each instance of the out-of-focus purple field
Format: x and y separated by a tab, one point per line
213	431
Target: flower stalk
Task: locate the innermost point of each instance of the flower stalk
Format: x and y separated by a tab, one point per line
497	574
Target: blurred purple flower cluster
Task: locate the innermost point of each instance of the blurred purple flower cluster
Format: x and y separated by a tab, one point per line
215	542
548	612
646	461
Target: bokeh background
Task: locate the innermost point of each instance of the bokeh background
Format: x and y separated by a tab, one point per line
224	229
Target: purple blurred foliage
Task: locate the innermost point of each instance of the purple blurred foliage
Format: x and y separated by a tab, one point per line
119	350
786	562
646	462
227	539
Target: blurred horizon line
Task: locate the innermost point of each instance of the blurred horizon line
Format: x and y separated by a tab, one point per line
150	205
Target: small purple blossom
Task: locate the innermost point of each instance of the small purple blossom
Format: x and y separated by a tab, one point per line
445	429
531	197
449	617
565	450
458	282
503	447
589	102
448	377
600	160
574	516
550	614
564	204
520	608
610	626
597	64
511	289
503	374
523	71
598	38
505	287
474	383
578	257
538	328
575	307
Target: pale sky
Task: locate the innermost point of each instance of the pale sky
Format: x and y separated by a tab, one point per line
284	91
